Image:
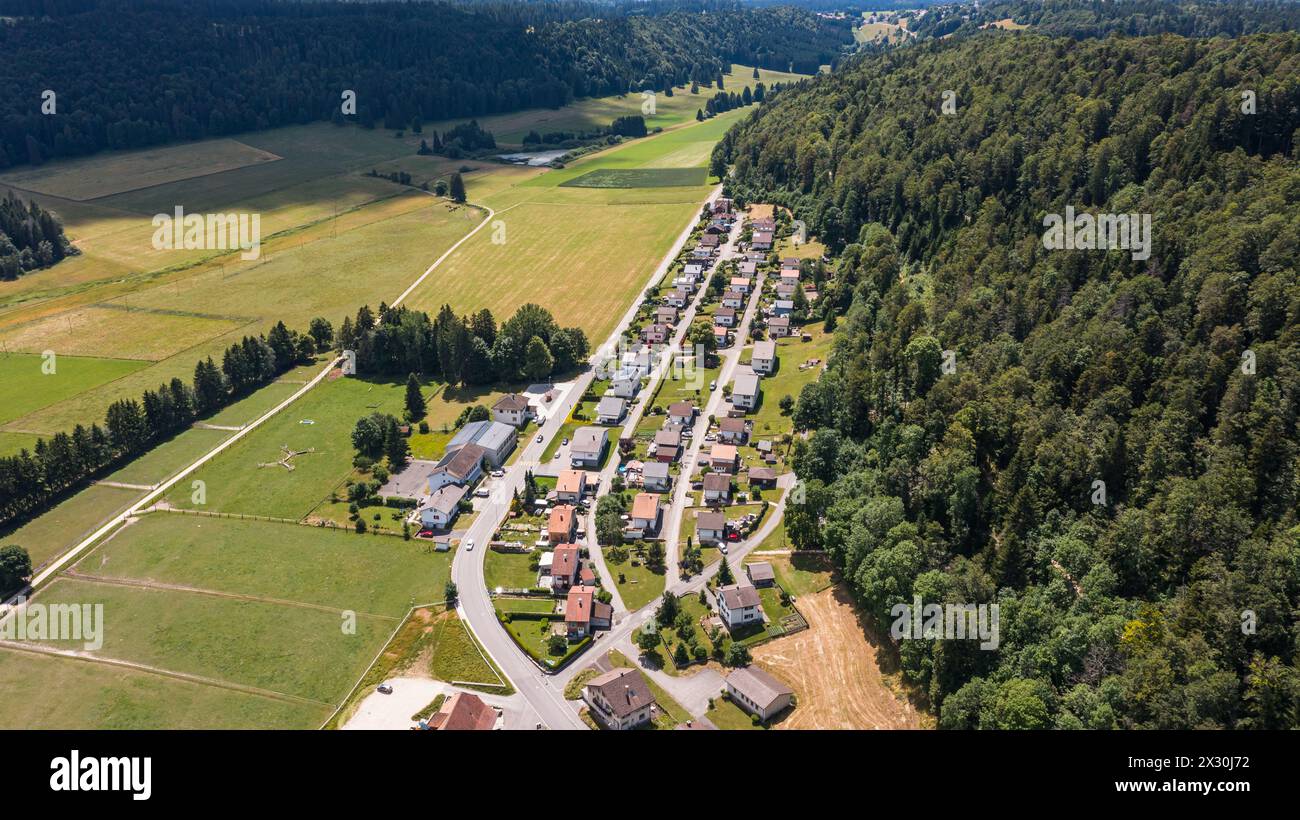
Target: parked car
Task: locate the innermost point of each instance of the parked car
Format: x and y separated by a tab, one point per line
539	438
713	385
564	440
385	688
482	492
498	473
722	548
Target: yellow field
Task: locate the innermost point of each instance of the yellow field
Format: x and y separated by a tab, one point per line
95	177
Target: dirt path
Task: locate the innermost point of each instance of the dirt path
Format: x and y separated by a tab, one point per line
834	672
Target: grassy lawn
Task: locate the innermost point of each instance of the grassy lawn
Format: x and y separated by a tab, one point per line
29	388
573	689
286	649
11	444
802	573
510	570
45	692
637	585
533	637
235	481
456	657
788	379
169	457
65	525
692	606
728	716
538	605
331	568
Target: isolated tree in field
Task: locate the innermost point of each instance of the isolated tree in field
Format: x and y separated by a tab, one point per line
15	567
538	361
415	404
440	187
456	188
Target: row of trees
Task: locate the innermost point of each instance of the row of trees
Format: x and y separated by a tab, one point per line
30	238
1106	447
464	350
256	64
31	481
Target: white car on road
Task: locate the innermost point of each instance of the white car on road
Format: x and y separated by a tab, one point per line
469	544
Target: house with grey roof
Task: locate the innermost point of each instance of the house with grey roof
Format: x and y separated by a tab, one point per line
758	692
619	699
496	439
610	410
739	606
588	446
443	507
656	477
745	391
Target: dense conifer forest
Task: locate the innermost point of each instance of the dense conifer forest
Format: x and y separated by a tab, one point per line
983	388
166	70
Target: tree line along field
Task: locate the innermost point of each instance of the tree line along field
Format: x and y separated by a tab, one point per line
227	604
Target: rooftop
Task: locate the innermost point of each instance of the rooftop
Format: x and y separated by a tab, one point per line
625	690
737	596
758	686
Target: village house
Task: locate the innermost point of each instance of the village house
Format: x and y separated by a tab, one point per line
709	240
512	409
761	574
681	413
717	488
655	334
721	336
619	699
588	446
640	362
725	316
748	268
667	445
733	431
443	507
463	712
764	357
646	514
570	486
761	240
741	283
610	410
778	327
583	613
745	391
721	205
678	297
722	457
625	384
762	477
565	562
785	290
463	466
656	477
782	307
693	269
666	315
739	606
562	524
710	528
758	693
686	284
733	299
496	439
765	223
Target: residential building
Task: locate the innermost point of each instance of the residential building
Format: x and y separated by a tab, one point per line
721	336
739	606
733	299
512	409
710	528
656	334
620	698
745	391
463	466
762	477
681	413
677	298
723	458
758	693
709	240
587	448
782	307
668	445
656	477
741	284
778	327
761	574
725	316
646	514
565	563
666	315
610	410
626	383
443	507
693	269
733	430
570	486
717	488
761	240
764	358
463	712
748	268
562	524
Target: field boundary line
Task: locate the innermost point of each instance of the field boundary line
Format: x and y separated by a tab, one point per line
163	586
482	223
19	646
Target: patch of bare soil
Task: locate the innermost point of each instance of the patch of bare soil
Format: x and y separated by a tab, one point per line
835	672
